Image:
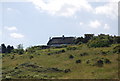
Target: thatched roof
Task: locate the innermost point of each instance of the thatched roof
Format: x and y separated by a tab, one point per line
61	40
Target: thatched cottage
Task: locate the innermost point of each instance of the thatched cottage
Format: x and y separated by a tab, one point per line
57	41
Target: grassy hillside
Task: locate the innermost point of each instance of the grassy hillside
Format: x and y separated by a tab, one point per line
71	62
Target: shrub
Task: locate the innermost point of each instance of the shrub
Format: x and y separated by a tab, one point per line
54	69
79	40
78	61
116	49
99	43
104	52
31	57
12	57
49	53
63	51
84	54
30	50
7	77
71	48
71	56
20	51
60	51
67	70
99	63
107	61
57	52
88	61
118	59
62	46
16	68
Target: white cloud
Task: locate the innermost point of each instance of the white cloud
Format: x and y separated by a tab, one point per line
103	1
114	1
9	9
95	24
110	10
62	7
13	10
29	0
106	27
12	28
81	23
0	32
70	7
16	35
14	0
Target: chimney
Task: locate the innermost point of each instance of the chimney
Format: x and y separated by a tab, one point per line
49	38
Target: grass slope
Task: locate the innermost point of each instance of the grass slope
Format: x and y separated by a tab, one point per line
53	64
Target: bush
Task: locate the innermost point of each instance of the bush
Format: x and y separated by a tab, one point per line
49	53
104	52
16	68
31	57
30	50
56	52
71	56
60	51
71	48
107	61
84	54
19	51
7	77
116	49
67	70
88	61
99	43
99	63
118	59
12	57
78	61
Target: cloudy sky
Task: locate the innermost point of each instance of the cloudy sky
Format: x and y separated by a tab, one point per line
33	22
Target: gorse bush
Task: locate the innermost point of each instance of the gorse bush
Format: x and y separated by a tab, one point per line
78	61
19	51
71	56
99	43
98	61
116	49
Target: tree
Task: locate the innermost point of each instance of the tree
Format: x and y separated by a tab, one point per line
79	40
88	37
9	49
20	46
117	39
20	49
3	47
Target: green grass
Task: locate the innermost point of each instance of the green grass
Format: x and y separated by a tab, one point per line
62	61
